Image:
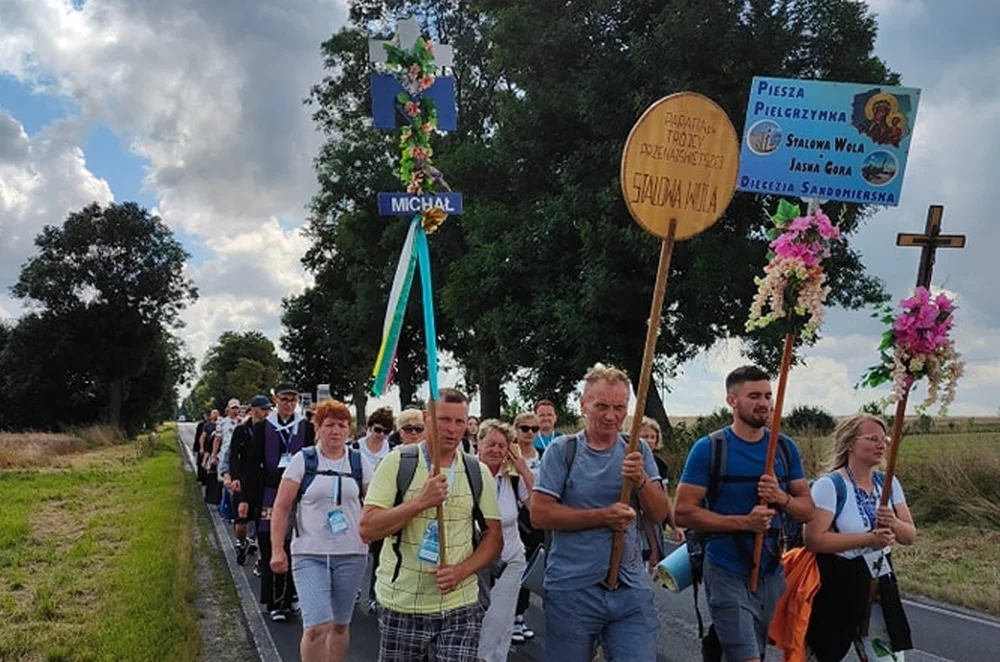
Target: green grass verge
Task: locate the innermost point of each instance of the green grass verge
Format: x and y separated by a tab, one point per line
96	562
955	564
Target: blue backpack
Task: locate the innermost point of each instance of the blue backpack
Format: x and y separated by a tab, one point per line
311	458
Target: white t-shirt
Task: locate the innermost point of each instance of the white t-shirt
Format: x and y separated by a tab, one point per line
315	535
534	463
373	458
513	548
224	429
824	494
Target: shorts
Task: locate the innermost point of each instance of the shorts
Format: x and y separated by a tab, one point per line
741	618
327	586
452	635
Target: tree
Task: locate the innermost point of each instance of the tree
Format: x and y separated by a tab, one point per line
545	273
240	365
581	88
108	286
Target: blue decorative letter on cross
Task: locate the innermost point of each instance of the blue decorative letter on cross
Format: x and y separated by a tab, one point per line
386	87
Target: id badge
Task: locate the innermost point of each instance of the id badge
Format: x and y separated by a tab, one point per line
429	547
337	521
878	564
285	459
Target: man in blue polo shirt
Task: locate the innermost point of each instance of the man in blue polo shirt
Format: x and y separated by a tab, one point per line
576	497
732	515
545	410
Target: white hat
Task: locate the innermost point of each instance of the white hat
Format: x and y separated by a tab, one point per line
233	403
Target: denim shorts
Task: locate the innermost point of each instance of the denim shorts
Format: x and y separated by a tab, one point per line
623	621
327	586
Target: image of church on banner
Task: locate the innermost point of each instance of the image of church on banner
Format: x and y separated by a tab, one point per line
826	140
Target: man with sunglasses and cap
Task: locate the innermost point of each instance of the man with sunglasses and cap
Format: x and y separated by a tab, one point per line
276	439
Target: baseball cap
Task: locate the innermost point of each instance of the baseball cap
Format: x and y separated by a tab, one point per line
286	387
260	401
235	402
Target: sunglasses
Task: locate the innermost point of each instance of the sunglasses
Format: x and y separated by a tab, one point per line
378	429
528	428
412	428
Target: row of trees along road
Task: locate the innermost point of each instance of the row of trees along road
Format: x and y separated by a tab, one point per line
104	293
545	273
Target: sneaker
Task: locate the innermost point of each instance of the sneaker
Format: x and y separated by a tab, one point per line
256	568
527	632
517	634
251	546
279	615
241	554
372	607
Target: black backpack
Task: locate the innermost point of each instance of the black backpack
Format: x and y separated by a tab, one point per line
697	541
310	457
408	457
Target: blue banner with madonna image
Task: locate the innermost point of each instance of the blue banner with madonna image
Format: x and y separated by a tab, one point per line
832	141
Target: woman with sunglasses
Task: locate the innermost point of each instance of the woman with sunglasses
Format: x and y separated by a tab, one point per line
410	426
526	428
375	445
852	537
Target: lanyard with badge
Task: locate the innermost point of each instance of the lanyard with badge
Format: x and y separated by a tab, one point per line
285	434
876	560
335	518
430	548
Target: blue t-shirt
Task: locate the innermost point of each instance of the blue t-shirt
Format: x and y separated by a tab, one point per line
734	552
578	559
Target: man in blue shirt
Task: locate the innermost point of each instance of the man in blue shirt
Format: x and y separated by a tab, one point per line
545	410
578	501
732	515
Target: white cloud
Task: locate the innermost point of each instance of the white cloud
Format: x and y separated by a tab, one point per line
42	178
210	93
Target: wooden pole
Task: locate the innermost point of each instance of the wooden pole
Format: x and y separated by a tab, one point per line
772	447
434	446
645	377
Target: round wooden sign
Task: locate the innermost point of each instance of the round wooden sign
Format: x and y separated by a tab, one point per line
680	162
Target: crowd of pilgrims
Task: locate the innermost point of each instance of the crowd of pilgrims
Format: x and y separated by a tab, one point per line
319	508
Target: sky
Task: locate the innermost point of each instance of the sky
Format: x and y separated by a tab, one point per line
194	110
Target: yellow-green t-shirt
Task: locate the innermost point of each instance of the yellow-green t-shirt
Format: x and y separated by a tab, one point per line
415	591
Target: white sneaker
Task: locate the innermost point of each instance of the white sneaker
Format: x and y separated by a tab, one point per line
517	635
526	632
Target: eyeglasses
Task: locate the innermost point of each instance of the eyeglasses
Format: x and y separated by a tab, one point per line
528	428
378	429
412	428
877	438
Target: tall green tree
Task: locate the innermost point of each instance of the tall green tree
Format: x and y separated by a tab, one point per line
580	90
110	281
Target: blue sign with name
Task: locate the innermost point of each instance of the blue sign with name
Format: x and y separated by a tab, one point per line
833	141
407	204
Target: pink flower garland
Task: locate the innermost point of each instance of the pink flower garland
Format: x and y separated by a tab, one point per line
794	285
923	347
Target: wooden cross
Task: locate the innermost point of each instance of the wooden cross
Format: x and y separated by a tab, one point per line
409	31
930	241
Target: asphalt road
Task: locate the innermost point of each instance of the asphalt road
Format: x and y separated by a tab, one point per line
941	633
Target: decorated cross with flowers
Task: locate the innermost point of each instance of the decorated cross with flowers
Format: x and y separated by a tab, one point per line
917	342
408	89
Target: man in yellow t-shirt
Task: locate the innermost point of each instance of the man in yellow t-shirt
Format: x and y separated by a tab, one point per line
423	605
